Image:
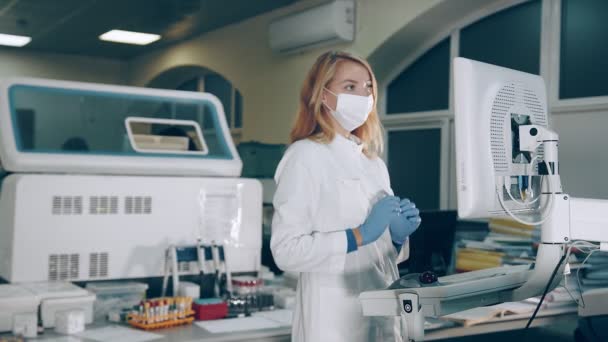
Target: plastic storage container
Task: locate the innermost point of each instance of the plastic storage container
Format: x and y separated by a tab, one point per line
116	296
51	308
209	309
60	296
15	300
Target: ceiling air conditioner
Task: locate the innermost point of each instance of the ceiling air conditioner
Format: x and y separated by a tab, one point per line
323	25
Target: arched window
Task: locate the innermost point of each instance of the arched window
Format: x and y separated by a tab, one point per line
419	114
194	78
561	40
583	69
424	85
509	38
217	85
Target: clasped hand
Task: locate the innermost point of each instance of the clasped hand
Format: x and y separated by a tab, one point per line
405	222
401	215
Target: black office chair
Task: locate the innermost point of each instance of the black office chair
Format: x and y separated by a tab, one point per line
431	246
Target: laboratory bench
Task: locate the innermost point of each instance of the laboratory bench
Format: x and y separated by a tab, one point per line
553	325
188	333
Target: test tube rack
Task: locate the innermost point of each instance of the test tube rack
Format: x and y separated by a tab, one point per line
162	313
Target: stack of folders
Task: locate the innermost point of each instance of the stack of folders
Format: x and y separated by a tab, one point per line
595	274
507	243
509	227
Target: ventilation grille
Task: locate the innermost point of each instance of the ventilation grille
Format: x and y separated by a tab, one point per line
66	205
531	101
103	205
138	205
538	115
504	100
507	97
63	266
98	265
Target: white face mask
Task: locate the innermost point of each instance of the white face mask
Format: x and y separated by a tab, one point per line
351	110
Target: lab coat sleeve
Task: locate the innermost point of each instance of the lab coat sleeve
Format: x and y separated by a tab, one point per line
296	245
404	252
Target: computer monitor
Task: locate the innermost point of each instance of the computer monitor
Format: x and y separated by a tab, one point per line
491	102
432	245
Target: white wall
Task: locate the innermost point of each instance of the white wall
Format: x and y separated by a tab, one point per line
270	84
14	62
23	63
583	139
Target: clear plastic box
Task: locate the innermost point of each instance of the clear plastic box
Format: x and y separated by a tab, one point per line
50	307
115	295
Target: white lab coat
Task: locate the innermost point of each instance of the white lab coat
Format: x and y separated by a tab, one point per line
322	190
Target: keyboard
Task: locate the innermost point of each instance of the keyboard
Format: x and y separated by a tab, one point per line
481	274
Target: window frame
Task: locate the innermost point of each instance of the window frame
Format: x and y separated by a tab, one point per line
443	124
233	128
236	132
553	11
550	55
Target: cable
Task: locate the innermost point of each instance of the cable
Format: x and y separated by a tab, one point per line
546	290
532	164
550	206
570	293
578	273
589	249
504	207
518	201
529	186
530	177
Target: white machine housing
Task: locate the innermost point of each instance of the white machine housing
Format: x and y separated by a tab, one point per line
323	25
111	211
14	159
85	227
484	154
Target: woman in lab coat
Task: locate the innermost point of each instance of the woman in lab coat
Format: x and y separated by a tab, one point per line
336	221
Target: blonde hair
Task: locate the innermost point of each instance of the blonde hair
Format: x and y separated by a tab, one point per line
313	121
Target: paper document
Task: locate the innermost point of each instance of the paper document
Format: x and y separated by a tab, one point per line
515	307
486	313
61	339
282	317
222	216
238	324
118	334
431	323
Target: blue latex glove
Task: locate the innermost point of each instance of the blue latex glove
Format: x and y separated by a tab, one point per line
379	217
406	222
